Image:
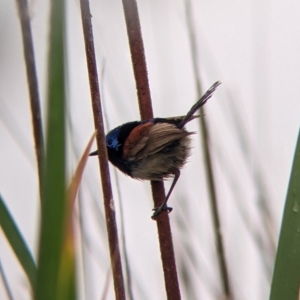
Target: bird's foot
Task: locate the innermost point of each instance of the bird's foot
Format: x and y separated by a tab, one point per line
159	210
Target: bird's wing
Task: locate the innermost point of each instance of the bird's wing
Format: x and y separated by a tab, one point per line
149	138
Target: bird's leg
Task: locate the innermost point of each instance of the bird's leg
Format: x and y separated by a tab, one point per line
163	206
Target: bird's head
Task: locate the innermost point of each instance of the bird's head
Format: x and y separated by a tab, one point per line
113	139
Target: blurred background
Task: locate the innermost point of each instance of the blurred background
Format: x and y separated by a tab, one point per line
253	120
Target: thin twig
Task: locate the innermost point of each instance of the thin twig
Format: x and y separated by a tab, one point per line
208	163
32	83
145	105
103	161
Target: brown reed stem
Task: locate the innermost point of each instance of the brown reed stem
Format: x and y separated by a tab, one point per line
103	160
32	83
141	77
208	162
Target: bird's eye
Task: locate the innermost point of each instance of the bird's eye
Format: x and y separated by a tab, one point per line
109	142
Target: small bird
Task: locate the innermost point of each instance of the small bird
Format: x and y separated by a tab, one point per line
154	149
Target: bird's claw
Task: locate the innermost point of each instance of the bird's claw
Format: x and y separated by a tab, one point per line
159	210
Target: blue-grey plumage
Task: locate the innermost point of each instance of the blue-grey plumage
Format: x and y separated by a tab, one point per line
153	149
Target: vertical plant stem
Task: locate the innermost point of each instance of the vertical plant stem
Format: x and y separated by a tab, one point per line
103	160
54	169
32	82
145	105
208	163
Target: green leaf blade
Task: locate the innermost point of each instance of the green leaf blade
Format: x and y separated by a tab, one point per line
17	242
54	176
286	276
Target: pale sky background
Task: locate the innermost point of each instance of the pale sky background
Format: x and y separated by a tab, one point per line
253	48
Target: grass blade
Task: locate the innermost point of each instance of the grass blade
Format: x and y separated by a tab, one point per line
17	242
285	283
54	186
67	263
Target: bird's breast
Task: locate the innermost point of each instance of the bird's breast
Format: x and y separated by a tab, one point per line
162	164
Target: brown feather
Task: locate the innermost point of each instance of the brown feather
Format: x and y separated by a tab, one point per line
160	135
136	140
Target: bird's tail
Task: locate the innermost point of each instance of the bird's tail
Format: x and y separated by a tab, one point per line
189	116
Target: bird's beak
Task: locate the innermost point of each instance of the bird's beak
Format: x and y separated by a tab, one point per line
94	153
